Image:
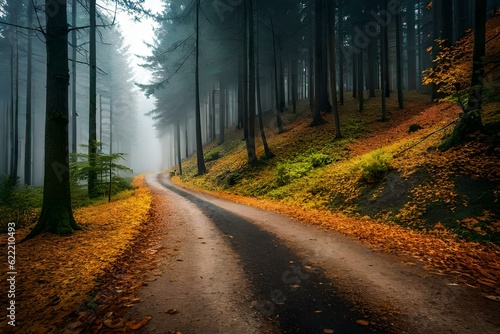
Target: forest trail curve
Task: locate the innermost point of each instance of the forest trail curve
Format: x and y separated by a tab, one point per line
218	283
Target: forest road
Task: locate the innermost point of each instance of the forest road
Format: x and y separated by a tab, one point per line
229	268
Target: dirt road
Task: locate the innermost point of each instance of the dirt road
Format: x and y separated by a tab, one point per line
229	268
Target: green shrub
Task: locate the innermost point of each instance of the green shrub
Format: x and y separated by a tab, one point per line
319	160
6	189
286	172
374	165
212	156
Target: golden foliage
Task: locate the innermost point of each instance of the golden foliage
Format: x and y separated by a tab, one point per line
56	274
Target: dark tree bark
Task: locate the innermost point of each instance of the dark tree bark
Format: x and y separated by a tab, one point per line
470	121
360	80
332	66
202	169
383	64
319	71
222	113
92	177
252	157
276	88
28	127
399	61
411	46
267	151
14	94
341	54
178	144
294	86
442	30
212	113
460	21
73	78
56	215
386	72
372	66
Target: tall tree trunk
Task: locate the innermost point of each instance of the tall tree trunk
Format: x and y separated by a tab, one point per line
294	87
74	139
470	121
332	66
311	71
178	144
383	64
372	66
442	30
14	104
341	54
212	113
317	119
476	97
28	127
92	177
252	157
222	112
278	113
460	9
399	61
202	169
354	63
245	70
267	151
411	46
386	72
56	215
360	80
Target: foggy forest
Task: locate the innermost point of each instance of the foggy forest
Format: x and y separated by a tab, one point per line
329	162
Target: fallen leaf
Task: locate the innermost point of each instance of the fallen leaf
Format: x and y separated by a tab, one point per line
113	324
494	298
135	325
362	322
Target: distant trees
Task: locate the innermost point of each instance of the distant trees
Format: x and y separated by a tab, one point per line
314	49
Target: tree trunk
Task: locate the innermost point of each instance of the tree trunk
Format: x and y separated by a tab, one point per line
28	127
294	87
267	151
317	119
74	139
199	142
92	178
332	66
360	80
178	144
372	66
222	112
278	113
383	64
470	121
386	73
56	215
14	104
341	54
252	157
411	46
399	61
442	30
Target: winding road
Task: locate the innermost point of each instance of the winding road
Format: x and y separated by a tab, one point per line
230	268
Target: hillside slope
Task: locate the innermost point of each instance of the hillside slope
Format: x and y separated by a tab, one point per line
381	182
